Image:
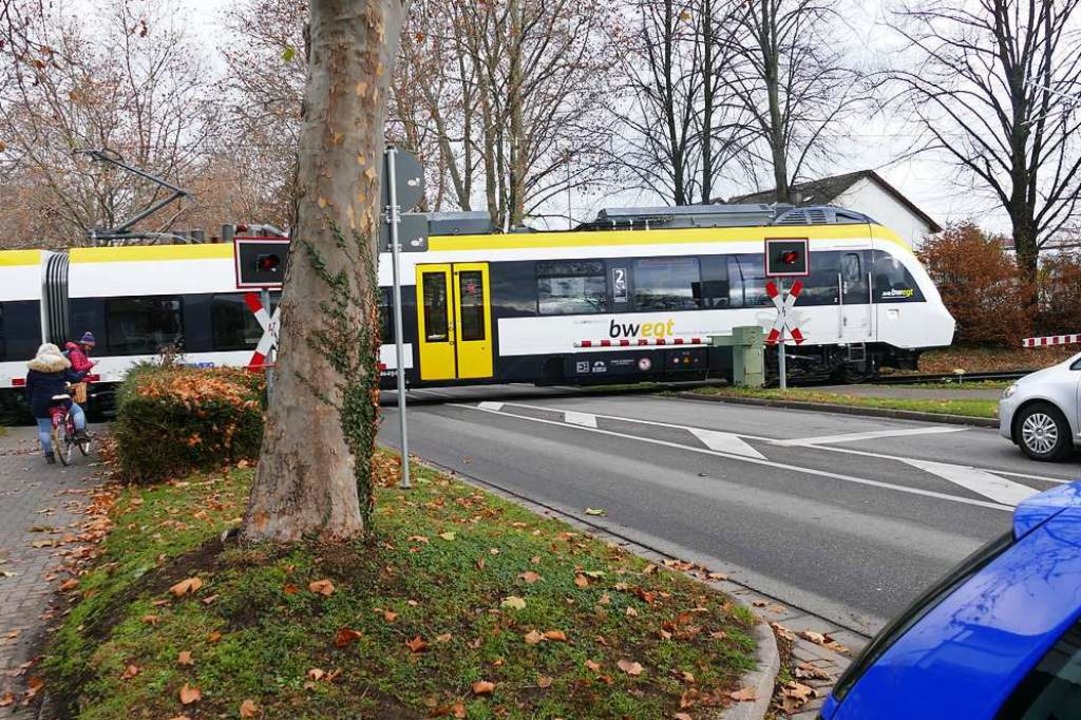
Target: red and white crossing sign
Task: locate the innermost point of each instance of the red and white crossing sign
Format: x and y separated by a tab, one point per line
269	323
784	310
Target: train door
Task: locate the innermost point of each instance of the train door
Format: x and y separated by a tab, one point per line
454	321
854	280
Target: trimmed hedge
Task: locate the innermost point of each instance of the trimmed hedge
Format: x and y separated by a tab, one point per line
172	421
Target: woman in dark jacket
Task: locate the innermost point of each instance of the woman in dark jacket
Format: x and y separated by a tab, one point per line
50	372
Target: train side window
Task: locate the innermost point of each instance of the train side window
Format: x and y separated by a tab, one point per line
571	287
893	282
233	324
20	329
471	305
142	326
435	307
667	284
821	287
752	274
386	315
714	292
854	279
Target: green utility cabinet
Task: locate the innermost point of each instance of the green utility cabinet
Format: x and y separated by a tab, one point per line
748	354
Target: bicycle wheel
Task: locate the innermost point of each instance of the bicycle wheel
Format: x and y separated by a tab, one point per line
61	443
84	446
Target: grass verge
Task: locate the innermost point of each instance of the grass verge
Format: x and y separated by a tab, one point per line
461	605
970	407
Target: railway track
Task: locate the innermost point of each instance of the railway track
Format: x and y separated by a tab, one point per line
953	378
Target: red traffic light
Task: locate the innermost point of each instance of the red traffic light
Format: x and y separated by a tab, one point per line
268	263
790	257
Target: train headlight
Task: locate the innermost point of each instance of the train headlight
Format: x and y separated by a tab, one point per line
1009	391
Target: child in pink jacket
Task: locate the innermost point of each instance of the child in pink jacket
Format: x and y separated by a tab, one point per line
78	352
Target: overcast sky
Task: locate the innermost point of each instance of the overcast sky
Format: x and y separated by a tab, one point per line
880	144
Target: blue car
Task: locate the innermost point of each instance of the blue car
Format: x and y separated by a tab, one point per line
998	638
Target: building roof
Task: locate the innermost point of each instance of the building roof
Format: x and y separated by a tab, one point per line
826	190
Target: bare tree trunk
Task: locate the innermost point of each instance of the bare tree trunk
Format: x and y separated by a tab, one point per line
519	152
321	422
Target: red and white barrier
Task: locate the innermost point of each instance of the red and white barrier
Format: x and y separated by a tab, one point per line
1051	340
640	342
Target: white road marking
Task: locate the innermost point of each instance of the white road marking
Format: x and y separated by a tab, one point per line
493	406
577	418
854	437
993	487
844	450
726	442
756	461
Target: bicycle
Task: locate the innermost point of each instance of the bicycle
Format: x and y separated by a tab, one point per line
63	430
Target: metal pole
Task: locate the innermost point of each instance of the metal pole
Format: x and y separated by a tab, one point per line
780	346
399	348
272	353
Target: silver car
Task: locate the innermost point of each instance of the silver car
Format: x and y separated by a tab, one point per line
1041	412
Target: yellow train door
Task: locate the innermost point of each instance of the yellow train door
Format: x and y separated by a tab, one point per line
473	329
454	321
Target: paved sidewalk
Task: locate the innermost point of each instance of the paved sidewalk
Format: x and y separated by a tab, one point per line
39	504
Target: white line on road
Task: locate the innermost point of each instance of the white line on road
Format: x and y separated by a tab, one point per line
776	441
983	483
578	418
756	461
493	406
726	442
854	437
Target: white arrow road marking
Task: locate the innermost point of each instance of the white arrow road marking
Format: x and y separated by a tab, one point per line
853	437
493	406
577	418
993	487
726	442
755	461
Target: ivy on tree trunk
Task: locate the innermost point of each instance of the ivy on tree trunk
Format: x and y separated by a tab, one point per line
314	477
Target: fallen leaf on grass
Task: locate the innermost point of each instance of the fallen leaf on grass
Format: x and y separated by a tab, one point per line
444	638
186	586
322	587
631	612
418	538
544	681
69	584
390	616
213	637
631	668
513	602
555	636
746	694
346	637
248	709
595	667
151	619
291	589
189	695
594	511
681	716
458	710
533	637
417	644
581	581
448	536
210	600
184	658
688	699
129	672
483	687
530	577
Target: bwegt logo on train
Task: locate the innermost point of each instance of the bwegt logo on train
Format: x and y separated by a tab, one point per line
644	330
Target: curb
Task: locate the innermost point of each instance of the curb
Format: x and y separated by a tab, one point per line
762	679
767	656
846	409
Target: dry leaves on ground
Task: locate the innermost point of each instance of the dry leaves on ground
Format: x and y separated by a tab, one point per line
746	694
513	602
631	668
184	658
483	687
321	587
189	694
346	637
417	644
186	586
248	709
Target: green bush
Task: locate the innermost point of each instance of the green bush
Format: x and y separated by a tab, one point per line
172	421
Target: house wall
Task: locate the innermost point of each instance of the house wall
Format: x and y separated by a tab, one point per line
867	197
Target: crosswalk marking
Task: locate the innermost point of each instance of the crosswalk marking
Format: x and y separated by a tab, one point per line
725	442
493	406
853	437
577	418
992	487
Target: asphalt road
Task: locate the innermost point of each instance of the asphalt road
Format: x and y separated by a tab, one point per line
848	518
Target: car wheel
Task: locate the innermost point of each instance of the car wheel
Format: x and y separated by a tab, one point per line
1043	433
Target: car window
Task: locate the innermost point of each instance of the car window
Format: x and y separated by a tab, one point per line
1053	689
